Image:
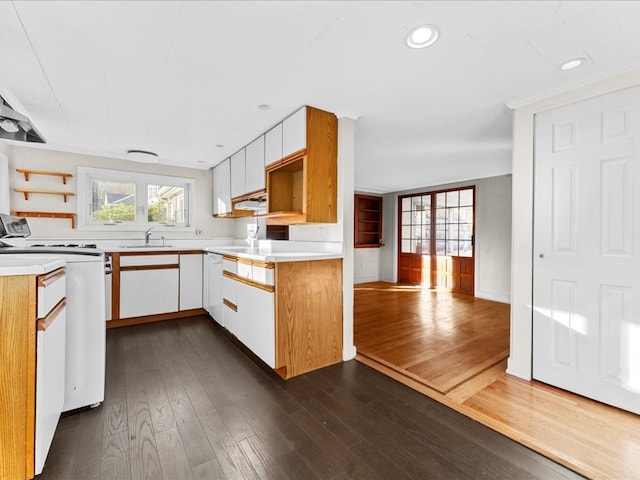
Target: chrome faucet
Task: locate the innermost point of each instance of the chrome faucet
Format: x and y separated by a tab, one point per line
147	236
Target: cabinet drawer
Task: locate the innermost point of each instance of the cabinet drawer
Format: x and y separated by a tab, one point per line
230	266
135	260
262	275
51	289
244	270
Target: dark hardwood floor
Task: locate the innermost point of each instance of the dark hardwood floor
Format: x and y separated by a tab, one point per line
184	402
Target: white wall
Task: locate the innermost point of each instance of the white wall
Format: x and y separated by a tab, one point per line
519	363
492	235
366	265
48	160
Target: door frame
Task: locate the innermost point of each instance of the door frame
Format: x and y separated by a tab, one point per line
432	247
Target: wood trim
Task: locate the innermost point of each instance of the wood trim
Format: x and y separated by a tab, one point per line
230	258
125	322
190	252
255	263
230	304
292	157
161	251
70	216
251	283
49	278
44	323
165	266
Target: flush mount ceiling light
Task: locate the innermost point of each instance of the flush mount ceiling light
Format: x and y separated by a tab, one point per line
264	107
571	64
143	156
9	125
423	36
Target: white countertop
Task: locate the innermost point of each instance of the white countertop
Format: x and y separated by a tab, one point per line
28	264
268	255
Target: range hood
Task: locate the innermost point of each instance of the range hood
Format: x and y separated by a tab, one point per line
15	126
255	205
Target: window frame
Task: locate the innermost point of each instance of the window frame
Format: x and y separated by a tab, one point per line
86	175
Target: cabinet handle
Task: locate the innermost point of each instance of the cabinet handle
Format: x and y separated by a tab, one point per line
43	323
49	278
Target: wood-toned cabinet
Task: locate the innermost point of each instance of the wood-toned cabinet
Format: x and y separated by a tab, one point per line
367	221
302	187
289	314
32	364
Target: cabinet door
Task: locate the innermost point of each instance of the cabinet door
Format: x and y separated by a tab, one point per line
254	175
256	325
222	188
294	132
148	292
213	286
238	169
229	302
190	281
273	145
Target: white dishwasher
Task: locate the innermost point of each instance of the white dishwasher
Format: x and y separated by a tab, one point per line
213	286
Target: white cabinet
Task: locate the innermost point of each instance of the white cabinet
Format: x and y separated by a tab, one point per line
212	286
273	145
256	321
229	297
222	188
254	161
148	292
294	132
190	281
238	172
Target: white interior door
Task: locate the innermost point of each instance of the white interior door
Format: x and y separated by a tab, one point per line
586	320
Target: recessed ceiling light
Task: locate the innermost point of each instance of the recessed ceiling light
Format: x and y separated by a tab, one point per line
423	36
264	106
219	145
571	64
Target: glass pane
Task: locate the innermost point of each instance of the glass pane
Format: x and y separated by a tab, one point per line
113	201
417	231
416	218
426	217
416	203
416	246
426	202
165	204
406	218
466	230
452	199
465	248
452	231
441	232
406	231
426	248
453	215
406	204
441	200
466	214
466	197
441	214
440	244
452	247
406	246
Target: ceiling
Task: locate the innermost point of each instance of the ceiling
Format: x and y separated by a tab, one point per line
185	79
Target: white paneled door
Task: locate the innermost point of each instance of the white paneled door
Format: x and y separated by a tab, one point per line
586	320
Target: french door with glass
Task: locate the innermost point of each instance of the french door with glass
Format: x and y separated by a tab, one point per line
436	239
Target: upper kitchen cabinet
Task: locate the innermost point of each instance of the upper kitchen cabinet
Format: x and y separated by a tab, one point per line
222	189
238	172
254	172
302	186
273	145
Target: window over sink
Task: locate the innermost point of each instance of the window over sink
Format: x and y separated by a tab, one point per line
131	201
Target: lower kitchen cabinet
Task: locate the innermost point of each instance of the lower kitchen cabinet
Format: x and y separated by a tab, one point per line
256	321
148	292
32	369
289	314
155	285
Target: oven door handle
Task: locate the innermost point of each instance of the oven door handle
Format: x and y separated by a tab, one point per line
44	323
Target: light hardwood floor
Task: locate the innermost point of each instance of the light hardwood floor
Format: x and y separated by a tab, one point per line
393	328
